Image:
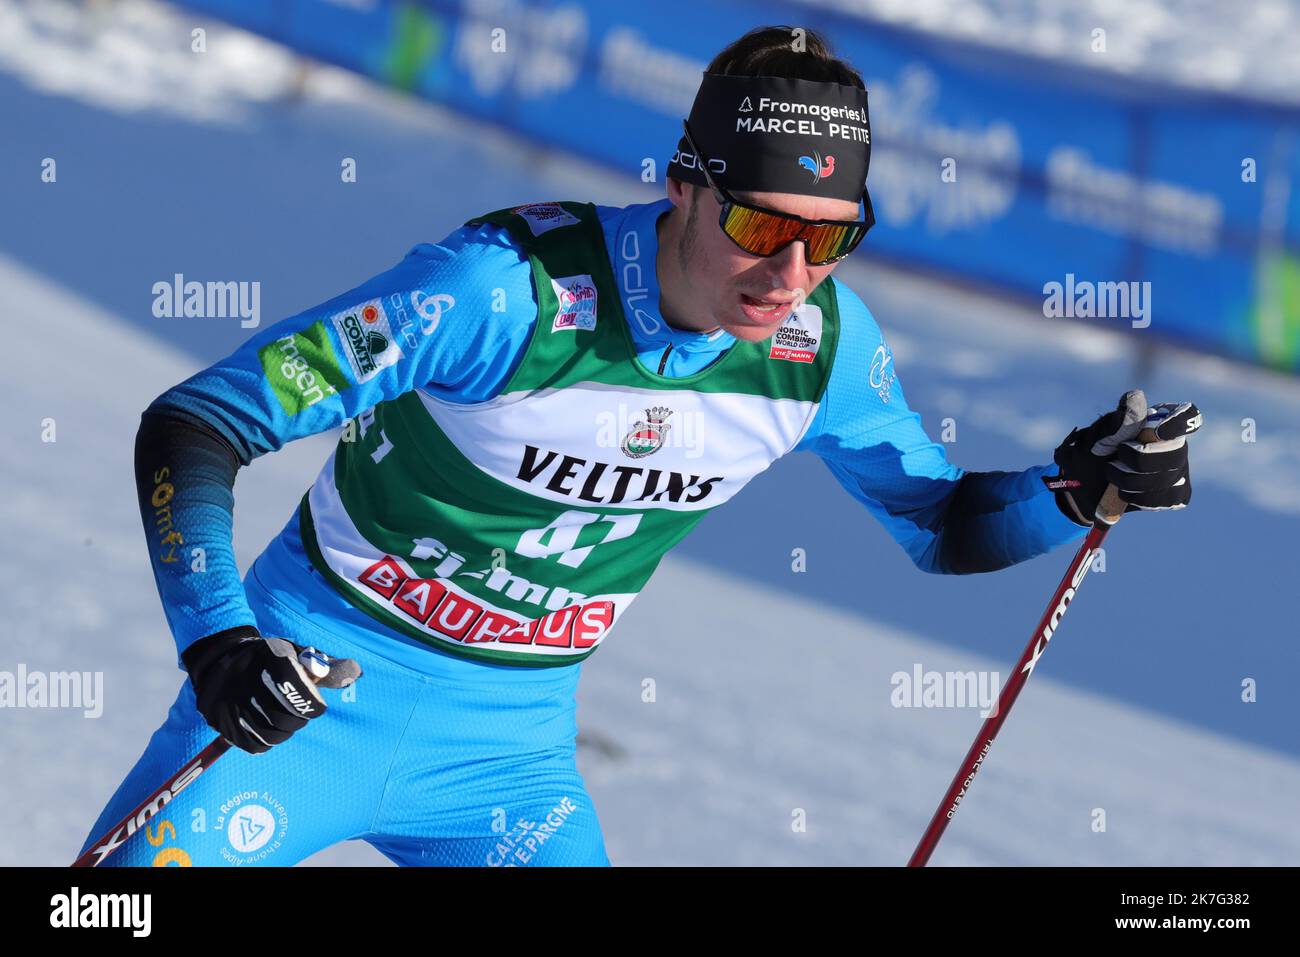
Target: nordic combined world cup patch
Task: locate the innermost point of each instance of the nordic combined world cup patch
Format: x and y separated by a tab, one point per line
798	338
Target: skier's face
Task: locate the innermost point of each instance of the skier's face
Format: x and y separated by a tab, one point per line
748	296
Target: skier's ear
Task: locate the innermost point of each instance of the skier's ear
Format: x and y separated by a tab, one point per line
680	194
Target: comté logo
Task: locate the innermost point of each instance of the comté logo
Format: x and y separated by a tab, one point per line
364	348
367	339
429	603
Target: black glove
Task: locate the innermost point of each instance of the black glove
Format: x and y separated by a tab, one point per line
1148	476
256	692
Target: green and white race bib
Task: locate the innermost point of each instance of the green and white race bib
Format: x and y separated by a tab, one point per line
519	529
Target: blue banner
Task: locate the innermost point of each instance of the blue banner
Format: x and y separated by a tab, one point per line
1107	199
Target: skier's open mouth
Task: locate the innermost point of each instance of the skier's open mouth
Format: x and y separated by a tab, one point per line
763	312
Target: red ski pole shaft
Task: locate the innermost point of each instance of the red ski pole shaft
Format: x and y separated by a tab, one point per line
1108	513
150	806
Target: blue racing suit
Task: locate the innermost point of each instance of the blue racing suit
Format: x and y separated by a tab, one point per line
433	758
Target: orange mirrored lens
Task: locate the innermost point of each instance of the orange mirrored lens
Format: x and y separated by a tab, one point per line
759	233
829	242
763	234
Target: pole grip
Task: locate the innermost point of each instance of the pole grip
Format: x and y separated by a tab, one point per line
1112	507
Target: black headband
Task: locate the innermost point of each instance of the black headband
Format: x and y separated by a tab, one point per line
774	134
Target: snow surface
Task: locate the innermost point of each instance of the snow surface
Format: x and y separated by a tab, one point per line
765	702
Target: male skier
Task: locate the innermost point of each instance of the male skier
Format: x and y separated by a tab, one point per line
511	470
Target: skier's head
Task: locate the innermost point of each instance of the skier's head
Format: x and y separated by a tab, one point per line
779	124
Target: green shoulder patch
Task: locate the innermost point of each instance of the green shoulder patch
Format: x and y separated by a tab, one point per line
302	368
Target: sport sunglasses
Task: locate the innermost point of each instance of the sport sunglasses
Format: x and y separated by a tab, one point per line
765	232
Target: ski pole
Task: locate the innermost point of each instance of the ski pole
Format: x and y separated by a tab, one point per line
151	805
317	665
1108	513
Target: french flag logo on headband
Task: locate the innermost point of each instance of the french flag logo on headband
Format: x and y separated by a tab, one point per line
817	167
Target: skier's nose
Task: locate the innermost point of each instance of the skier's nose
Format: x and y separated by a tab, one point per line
788	269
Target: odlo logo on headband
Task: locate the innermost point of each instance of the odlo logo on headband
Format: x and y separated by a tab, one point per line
691	161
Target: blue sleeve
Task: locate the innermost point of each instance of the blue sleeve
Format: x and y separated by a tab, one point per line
453	318
948	520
